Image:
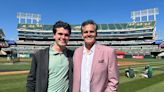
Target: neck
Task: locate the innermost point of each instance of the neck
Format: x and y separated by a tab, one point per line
89	46
58	48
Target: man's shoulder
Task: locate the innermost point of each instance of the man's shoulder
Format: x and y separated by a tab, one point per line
41	51
79	48
104	47
69	52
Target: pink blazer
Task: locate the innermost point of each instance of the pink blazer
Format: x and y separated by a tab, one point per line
104	72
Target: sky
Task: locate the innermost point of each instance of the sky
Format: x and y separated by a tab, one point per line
76	11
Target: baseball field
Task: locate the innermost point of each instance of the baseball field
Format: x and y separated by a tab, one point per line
13	76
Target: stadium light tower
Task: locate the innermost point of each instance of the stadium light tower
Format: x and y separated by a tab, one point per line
144	13
28	16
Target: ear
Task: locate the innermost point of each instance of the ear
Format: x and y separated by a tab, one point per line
82	36
54	36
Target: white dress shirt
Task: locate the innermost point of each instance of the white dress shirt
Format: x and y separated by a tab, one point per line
86	69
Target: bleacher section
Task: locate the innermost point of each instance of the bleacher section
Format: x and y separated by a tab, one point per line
135	30
132	37
115	26
139	49
3	43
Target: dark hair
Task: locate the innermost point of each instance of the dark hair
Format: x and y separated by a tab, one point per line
60	24
89	22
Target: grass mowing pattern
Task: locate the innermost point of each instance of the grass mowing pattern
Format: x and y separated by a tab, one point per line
13	83
142	60
17	83
139	84
136	85
14	67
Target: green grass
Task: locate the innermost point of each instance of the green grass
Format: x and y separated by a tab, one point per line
158	87
142	84
142	60
13	83
17	83
139	84
15	67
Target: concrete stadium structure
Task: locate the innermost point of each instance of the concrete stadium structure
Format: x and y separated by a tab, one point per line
135	38
3	43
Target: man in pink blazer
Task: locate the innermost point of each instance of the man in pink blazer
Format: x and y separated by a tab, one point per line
95	66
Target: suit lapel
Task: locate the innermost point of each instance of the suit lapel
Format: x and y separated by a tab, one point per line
46	60
95	59
80	61
44	70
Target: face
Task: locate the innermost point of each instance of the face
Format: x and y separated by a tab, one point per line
61	37
89	34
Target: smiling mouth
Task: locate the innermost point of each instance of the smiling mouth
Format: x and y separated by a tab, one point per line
90	38
63	42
